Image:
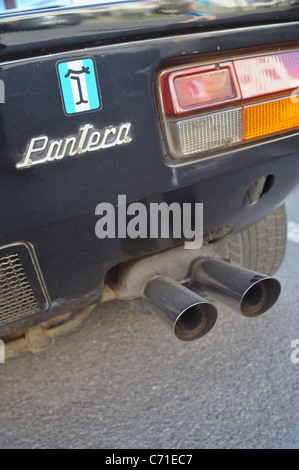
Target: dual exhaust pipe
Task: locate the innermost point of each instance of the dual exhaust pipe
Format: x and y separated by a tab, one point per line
189	315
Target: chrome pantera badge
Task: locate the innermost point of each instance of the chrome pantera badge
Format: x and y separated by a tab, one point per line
42	150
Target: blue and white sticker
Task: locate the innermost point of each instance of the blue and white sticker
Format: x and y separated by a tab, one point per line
79	86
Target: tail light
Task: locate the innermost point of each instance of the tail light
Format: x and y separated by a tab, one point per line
212	107
203	87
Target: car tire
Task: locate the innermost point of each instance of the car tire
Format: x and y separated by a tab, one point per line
260	247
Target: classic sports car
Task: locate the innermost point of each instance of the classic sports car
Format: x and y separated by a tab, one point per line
148	147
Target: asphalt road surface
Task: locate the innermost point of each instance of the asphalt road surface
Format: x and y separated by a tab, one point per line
121	381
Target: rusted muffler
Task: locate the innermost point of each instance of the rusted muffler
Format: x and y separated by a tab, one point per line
249	292
185	313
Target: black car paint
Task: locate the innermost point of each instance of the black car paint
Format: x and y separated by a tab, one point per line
52	206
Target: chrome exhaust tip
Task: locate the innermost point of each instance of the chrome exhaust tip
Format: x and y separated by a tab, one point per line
251	293
185	313
260	297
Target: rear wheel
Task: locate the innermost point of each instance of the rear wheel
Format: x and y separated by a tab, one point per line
260	247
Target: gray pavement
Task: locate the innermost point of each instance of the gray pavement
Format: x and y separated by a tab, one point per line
122	381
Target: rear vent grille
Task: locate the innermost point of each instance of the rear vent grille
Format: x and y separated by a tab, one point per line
16	295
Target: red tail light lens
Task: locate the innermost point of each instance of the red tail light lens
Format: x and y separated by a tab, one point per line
203	87
268	74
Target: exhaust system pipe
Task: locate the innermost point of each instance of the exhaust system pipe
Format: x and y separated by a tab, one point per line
250	292
187	314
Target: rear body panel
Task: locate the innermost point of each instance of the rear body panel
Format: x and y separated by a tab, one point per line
51	207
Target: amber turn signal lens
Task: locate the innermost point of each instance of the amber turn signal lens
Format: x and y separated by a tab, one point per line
268	118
